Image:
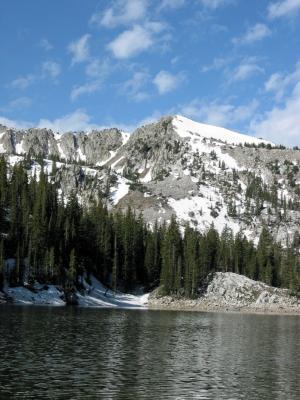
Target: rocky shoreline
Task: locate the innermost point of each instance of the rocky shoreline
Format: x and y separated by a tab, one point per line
230	292
222	292
171	304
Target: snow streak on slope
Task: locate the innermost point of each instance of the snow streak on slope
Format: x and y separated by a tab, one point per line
121	190
188	128
125	137
97	295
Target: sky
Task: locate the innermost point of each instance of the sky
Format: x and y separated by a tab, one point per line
79	65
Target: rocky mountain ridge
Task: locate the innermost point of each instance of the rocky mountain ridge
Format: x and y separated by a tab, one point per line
203	174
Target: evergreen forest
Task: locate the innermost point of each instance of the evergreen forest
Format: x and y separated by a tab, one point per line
55	241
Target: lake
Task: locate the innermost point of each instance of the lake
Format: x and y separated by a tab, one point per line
78	353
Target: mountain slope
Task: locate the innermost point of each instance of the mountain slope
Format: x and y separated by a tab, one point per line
203	174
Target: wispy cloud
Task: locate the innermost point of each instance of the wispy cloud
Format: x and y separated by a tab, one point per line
98	68
135	86
166	82
19	103
45	44
219	113
279	83
281	124
283	8
48	69
51	69
122	12
23	82
253	34
79	49
171	4
217	64
96	72
214	4
87	88
245	70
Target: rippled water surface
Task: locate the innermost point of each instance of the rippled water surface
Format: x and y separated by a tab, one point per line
72	353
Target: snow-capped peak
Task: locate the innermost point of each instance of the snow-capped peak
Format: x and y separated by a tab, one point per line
187	128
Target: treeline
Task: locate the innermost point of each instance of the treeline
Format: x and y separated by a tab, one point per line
46	239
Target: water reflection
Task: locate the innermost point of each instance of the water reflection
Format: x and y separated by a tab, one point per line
72	353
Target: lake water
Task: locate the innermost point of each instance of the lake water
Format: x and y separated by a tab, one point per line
73	353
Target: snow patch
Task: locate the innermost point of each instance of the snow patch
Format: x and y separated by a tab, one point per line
112	154
120	190
147	178
81	156
97	295
188	128
125	137
60	150
47	295
198	211
19	148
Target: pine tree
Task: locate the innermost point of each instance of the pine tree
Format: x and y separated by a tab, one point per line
171	272
72	270
1	264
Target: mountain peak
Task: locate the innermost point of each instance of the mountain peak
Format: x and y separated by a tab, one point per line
186	127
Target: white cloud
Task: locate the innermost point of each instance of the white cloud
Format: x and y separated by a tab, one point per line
281	124
166	82
131	42
51	69
14	124
87	88
78	120
219	113
23	82
45	44
122	12
214	4
80	49
279	83
253	34
134	87
283	8
245	70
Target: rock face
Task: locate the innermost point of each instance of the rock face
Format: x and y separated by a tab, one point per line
201	173
230	291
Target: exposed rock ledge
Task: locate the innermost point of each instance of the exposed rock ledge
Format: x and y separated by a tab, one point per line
232	292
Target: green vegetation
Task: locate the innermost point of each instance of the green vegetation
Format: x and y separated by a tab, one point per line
54	242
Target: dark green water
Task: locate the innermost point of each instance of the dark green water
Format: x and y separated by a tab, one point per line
72	353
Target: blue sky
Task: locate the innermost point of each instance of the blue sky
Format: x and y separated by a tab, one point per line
75	64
